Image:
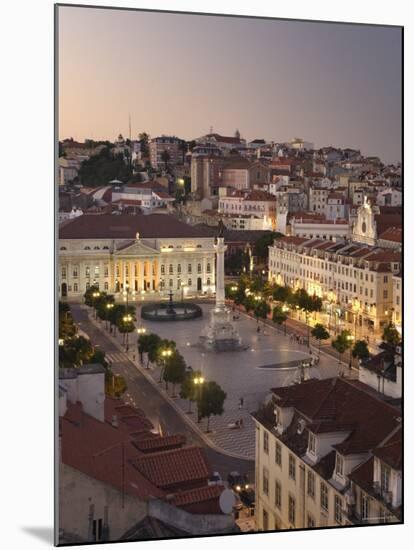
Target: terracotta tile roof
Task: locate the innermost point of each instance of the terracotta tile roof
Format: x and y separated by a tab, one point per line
342	405
390	452
125	226
200	494
156	444
173	467
95	448
393	234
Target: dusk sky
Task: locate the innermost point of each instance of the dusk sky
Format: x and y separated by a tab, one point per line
332	84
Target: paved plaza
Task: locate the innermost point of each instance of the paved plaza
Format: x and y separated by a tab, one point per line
270	360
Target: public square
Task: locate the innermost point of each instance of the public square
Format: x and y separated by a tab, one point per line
270	360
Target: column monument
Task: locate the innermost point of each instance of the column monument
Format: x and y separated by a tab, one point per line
220	334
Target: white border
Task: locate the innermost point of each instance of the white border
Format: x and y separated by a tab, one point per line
26	41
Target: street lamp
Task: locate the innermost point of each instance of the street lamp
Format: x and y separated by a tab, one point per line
127	319
199	381
95	295
109	306
164	354
350	338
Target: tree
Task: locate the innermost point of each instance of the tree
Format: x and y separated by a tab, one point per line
67	328
320	333
391	335
115	384
103	167
360	350
279	316
261	246
210	401
148	343
188	388
174	370
281	293
261	310
342	343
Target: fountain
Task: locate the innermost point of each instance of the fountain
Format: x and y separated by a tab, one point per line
171	311
220	334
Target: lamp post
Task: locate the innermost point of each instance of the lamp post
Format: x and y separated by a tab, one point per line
140	331
109	306
95	295
127	319
164	354
199	381
350	338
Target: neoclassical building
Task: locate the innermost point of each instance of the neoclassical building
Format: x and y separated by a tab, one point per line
152	254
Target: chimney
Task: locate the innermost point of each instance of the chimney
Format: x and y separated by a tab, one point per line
115	421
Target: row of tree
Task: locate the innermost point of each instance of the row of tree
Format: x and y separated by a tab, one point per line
76	350
120	317
208	395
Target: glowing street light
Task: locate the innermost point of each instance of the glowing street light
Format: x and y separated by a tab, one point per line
199	381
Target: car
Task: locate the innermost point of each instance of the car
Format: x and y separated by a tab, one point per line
237	481
215	479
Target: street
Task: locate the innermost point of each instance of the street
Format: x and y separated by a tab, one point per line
143	395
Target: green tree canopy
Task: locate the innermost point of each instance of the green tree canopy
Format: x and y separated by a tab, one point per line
175	369
360	350
391	335
278	315
262	309
261	246
188	387
342	342
100	169
320	333
210	401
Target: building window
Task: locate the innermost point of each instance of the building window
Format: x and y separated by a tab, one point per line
324	497
364	507
311	521
208	268
266	442
265	521
292	467
278	453
338	509
63	272
265	481
292	510
189	268
75	272
75	287
190	282
179	268
198	268
278	495
97	529
105	286
162	269
311	443
385	478
339	465
171	269
87	271
311	484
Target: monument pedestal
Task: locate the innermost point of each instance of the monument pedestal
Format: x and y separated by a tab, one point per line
221	334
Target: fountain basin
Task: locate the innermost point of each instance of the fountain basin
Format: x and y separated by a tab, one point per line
171	311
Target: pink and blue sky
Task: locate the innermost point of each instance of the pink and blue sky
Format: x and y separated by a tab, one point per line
333	84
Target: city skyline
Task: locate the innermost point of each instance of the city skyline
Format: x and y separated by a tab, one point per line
319	86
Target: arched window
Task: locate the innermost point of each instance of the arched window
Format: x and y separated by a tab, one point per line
208	268
63	248
198	268
87	248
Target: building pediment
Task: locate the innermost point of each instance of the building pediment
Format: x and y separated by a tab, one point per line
136	249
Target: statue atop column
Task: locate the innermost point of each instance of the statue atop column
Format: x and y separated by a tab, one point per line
220	334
